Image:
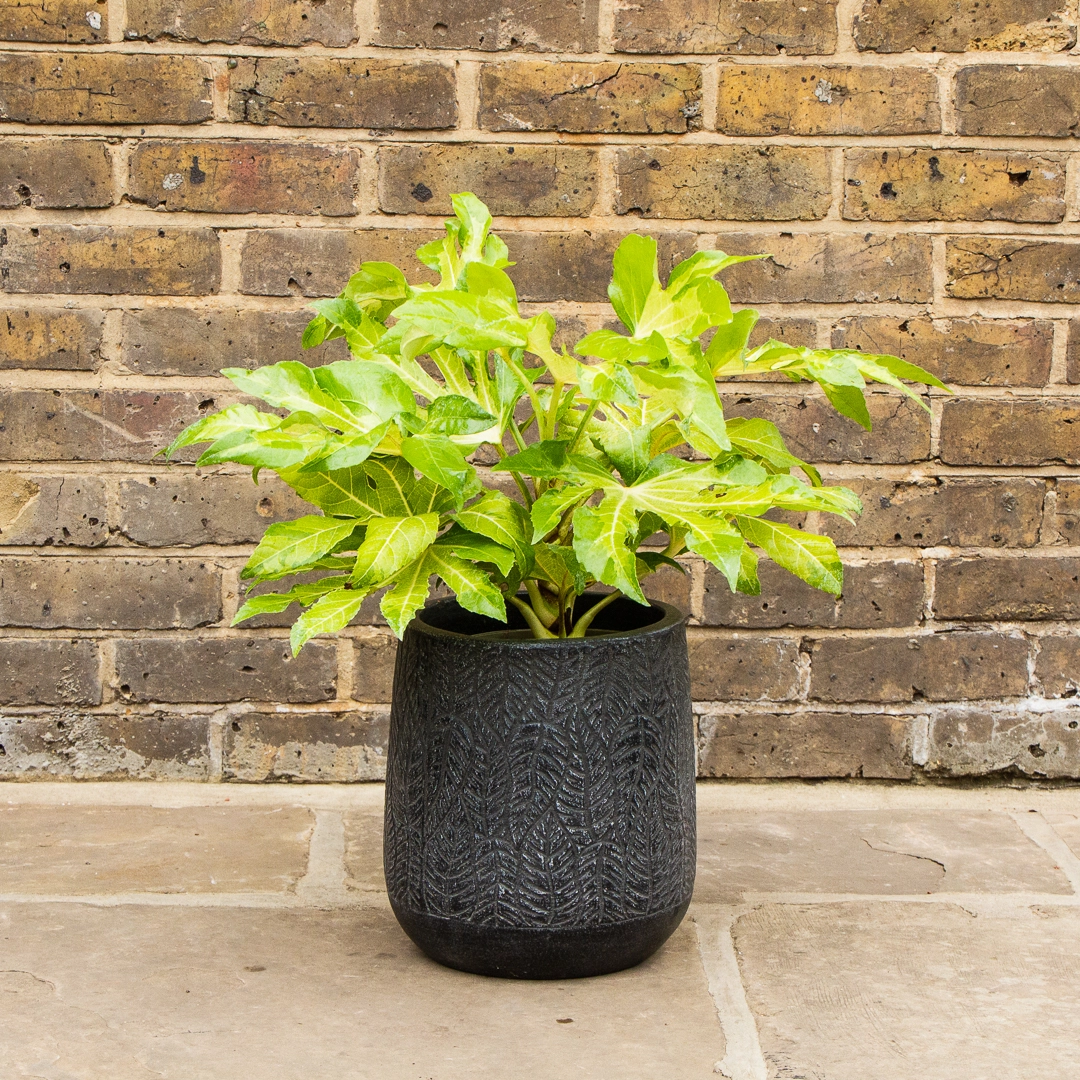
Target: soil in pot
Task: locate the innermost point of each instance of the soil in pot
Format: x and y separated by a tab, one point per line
540	817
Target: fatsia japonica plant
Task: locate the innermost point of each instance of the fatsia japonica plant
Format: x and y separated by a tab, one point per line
606	449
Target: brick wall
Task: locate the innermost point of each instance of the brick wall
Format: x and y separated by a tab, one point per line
177	177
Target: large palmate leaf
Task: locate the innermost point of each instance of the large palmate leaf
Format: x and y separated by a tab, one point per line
303	594
474	588
504	521
443	461
327	615
605	539
378	488
390	544
470	545
292	385
290	546
807	555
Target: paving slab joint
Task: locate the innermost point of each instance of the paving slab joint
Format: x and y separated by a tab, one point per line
324	881
743	1059
1039	831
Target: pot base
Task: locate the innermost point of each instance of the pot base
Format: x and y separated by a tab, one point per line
510	952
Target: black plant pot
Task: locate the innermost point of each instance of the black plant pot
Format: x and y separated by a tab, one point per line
540	813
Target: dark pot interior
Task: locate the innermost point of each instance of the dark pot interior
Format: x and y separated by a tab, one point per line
621	616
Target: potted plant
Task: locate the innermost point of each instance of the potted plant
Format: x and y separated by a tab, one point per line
540	817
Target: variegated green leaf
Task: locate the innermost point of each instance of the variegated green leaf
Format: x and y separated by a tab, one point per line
289	546
327	615
390	544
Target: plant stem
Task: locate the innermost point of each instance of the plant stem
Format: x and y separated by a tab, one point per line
553	411
593	405
518	479
538	628
516	432
542	608
519	371
585	621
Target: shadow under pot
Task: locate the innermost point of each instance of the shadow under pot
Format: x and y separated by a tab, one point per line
540	805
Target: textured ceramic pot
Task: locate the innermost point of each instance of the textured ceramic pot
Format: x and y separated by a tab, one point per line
540	814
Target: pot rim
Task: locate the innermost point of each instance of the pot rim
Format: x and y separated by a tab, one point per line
671	617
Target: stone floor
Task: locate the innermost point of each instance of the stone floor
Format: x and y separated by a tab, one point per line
839	932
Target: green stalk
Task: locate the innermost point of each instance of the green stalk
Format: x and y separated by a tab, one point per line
519	371
553	411
593	406
542	608
538	628
518	479
585	621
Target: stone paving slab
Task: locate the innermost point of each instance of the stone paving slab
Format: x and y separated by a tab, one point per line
839	932
1067	826
200	993
884	851
363	851
903	991
80	850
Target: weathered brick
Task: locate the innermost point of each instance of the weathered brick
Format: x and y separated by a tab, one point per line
489	26
1004	99
201	341
747	27
106	593
44	510
936	667
309	746
1038	587
1016	432
1046	271
827	100
188	508
1066	517
317	91
942	511
373	668
1012	741
875	595
328	22
577	265
804	744
50	338
224	669
968	352
741	667
795	331
109	259
670	586
95	425
55	174
70	21
308	262
231	177
727	183
953	185
1073	353
104	88
528	95
48	671
893	26
87	746
829	269
814	431
533	180
1057	666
